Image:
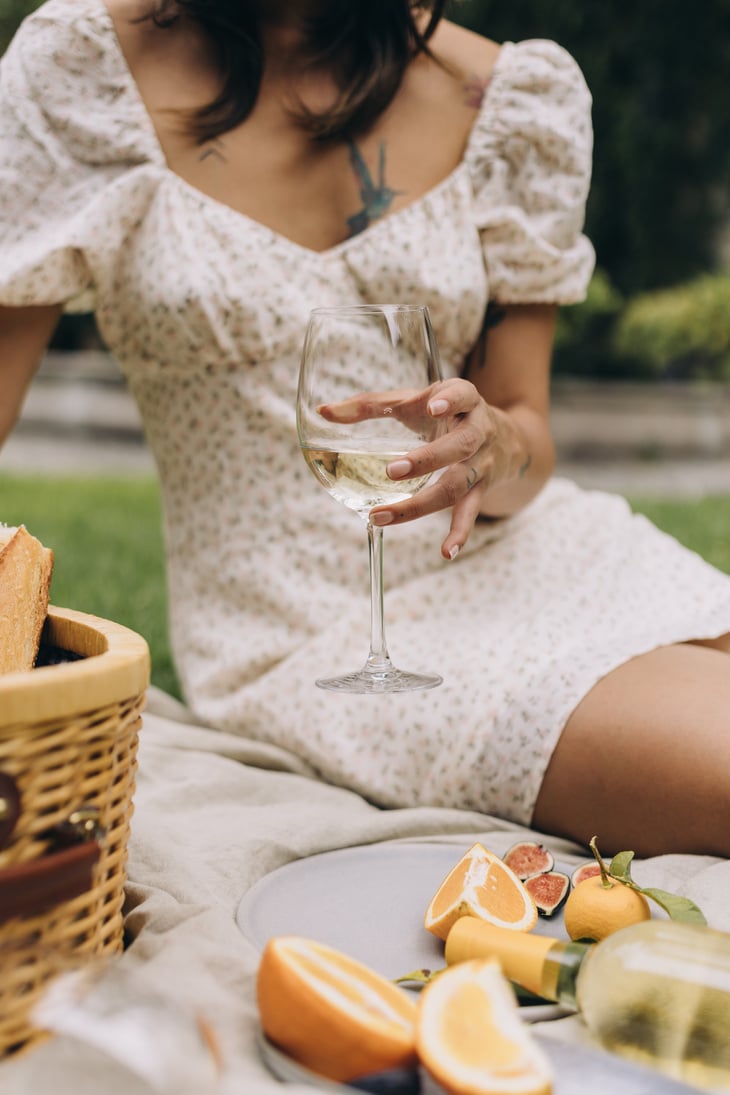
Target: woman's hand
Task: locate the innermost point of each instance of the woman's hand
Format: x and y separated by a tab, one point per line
495	451
478	448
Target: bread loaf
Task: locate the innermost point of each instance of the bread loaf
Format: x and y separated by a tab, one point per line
25	580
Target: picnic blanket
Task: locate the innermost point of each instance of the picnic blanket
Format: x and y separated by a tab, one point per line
214	813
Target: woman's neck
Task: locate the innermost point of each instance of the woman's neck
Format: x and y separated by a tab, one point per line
286	30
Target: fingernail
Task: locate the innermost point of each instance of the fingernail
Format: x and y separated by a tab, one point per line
398	468
454	551
381	518
438	406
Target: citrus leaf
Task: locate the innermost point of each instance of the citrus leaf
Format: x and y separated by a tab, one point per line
679	908
421	977
621	866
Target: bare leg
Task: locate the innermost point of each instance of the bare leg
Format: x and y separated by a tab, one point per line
644	760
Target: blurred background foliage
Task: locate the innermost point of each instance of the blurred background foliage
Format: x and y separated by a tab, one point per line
659	211
658	71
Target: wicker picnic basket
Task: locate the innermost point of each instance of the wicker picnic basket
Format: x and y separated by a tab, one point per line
68	745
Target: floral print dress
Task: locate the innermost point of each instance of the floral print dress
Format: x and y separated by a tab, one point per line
204	309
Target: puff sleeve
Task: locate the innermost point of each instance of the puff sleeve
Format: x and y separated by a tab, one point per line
530	159
65	138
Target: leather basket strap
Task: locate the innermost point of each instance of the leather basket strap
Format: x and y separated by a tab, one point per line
65	872
28	889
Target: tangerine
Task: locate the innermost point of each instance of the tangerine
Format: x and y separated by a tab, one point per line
330	1012
481	885
599	906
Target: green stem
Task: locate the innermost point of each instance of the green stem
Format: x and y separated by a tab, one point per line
606	881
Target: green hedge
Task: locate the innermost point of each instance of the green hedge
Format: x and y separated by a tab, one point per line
658	71
584	337
682	332
677	333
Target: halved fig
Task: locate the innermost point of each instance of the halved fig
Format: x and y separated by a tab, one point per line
586	870
548	891
528	858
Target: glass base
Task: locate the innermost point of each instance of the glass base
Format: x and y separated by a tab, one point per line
389	680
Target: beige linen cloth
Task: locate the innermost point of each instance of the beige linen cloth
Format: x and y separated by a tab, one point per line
214	813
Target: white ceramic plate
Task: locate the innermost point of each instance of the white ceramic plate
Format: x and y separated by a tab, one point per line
369	902
578	1070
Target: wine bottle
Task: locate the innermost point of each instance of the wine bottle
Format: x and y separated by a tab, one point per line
657	992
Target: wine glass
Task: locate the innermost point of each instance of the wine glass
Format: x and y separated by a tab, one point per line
388	354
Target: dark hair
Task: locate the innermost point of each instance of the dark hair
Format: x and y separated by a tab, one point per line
366	43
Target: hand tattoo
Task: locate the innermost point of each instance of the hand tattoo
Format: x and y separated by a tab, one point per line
525	467
471	479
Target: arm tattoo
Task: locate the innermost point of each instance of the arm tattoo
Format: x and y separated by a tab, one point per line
493	316
376	198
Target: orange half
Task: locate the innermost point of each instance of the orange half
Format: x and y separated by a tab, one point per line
470	1036
481	885
331	1013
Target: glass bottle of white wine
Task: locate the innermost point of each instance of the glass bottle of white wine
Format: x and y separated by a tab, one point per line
657	992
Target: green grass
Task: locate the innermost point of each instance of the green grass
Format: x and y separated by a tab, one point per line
702	525
107	540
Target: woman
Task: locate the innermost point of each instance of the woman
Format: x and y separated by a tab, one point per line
205	172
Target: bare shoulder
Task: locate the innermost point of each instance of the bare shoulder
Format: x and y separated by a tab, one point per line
138	33
130	10
470	54
171	63
126	12
130	22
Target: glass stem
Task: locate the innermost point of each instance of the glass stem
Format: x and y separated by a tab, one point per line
378	659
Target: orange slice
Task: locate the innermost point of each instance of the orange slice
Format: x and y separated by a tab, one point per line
470	1036
331	1013
481	885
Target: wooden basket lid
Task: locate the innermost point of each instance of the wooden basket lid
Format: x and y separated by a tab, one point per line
114	666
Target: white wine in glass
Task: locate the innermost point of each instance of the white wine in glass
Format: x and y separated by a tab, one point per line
361	405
